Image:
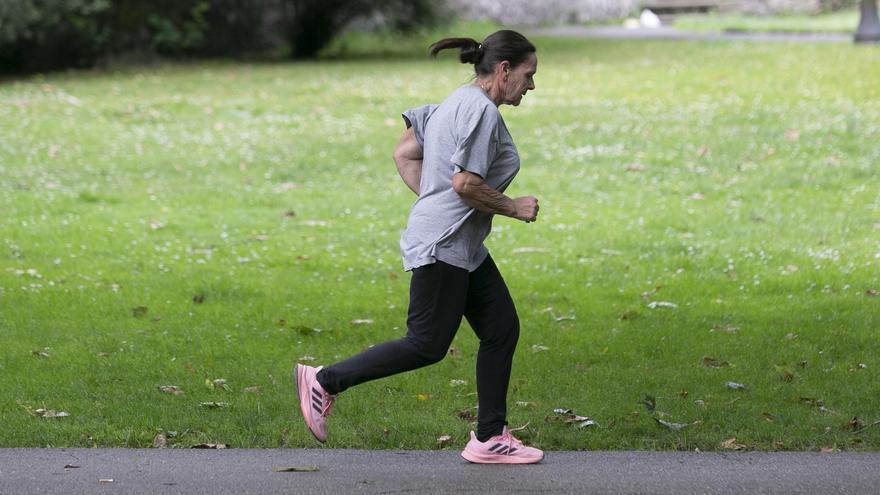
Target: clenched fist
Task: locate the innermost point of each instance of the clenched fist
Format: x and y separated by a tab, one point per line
526	208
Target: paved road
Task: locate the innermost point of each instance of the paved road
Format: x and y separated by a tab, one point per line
668	33
214	472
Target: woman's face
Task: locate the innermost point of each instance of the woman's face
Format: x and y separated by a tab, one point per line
520	79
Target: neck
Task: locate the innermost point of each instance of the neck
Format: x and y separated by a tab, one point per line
490	89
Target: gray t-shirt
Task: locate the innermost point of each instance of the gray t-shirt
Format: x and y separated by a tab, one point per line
465	132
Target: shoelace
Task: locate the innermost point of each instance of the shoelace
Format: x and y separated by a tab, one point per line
514	443
328	403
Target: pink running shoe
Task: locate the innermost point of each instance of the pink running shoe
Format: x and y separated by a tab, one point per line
501	449
314	402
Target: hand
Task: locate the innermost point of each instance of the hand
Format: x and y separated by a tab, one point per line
525	209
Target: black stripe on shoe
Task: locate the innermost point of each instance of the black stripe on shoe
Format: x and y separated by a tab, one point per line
316	407
511	451
492	449
502	450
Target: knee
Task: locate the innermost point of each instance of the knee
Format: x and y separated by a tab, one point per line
429	352
504	334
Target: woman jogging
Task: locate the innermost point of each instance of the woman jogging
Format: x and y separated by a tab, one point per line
458	157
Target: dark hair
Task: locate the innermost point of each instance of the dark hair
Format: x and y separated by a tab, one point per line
500	45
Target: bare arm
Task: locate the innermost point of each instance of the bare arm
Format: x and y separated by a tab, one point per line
408	157
477	194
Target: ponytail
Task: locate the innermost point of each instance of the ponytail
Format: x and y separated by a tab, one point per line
501	45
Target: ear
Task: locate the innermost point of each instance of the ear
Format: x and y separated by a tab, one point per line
503	67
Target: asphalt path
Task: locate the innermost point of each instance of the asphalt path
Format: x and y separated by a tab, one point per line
334	471
670	33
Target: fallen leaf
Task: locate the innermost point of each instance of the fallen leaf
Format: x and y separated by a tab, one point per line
580	421
711	362
443	440
49	413
735	386
40	354
214	405
199	298
105	481
251	390
424	396
454	352
160	441
218	383
697	196
289	214
730	444
296	469
636	167
216	446
662	304
674	426
170	389
791	268
522	403
792	135
361	322
872	293
702	151
457	383
139	311
829	450
306	358
855	424
156	225
539	348
790	336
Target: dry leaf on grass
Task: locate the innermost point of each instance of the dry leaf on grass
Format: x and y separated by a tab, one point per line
217	383
711	362
170	389
214	405
49	413
730	444
674	426
160	441
735	386
215	446
443	440
662	304
361	322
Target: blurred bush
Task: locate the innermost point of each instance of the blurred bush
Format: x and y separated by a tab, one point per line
38	35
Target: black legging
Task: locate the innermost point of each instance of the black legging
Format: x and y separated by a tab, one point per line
439	295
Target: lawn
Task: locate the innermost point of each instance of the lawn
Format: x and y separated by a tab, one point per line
710	214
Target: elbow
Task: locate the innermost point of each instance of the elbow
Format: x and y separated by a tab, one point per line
461	183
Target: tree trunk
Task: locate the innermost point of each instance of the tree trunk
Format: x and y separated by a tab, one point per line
869	25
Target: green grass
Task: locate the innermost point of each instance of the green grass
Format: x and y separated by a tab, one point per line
750	202
844	21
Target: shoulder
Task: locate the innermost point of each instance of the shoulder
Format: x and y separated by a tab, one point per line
471	104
